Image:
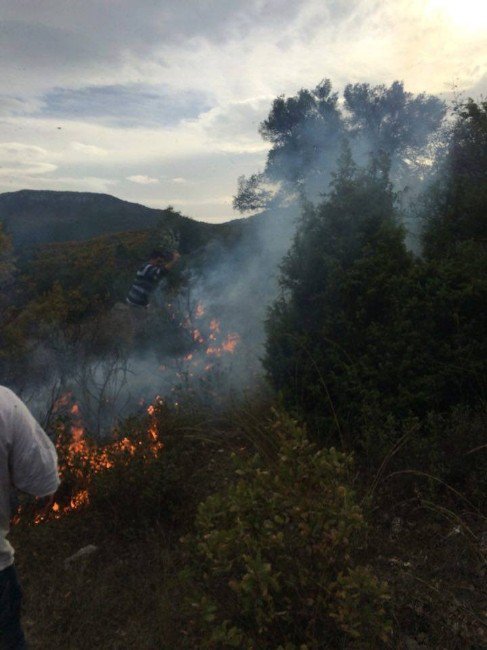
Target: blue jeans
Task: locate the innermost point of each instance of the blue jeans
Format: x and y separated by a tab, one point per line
11	633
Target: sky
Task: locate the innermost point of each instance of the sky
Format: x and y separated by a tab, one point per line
159	101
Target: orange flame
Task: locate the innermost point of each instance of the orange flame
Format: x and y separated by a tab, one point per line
199	311
84	459
229	345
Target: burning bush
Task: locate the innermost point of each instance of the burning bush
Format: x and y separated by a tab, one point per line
82	460
274	559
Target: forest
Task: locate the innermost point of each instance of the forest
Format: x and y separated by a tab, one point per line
290	452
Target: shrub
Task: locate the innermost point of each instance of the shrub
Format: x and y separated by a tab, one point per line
446	457
155	483
274	559
364	330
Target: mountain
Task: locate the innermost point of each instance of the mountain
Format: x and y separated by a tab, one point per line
39	217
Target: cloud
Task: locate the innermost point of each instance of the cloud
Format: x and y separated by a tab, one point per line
88	149
23	170
236	50
177	90
18	106
142	180
25	43
234	127
216	209
21	151
124	105
64	183
75	44
18	159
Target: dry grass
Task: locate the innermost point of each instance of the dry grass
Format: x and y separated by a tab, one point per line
120	597
129	593
436	568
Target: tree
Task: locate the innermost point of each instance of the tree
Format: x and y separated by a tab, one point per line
342	282
7	275
392	120
7	265
455	207
363	329
252	193
307	131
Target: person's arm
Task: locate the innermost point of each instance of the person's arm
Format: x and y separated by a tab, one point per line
168	265
158	272
33	457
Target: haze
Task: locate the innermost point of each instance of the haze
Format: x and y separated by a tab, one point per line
160	102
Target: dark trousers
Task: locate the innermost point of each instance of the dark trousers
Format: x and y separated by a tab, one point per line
11	633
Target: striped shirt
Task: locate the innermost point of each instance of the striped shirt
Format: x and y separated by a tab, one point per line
146	281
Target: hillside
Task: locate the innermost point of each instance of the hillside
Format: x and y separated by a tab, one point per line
38	217
280	451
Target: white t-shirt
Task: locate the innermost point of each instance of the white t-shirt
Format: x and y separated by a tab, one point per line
28	461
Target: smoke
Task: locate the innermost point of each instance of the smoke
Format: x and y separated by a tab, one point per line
207	343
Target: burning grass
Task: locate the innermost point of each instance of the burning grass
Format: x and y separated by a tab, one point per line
81	459
130	593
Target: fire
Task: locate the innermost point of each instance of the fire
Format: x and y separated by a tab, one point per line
81	498
81	459
211	340
62	402
197	337
215	325
228	345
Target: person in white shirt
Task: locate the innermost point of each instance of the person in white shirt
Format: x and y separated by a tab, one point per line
28	462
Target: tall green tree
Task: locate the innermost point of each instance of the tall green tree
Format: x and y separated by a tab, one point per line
364	330
392	120
342	282
455	207
306	133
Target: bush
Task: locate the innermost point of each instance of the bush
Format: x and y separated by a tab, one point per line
446	457
135	479
274	559
364	331
156	482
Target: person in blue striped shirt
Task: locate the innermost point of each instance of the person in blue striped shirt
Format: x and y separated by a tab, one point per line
149	276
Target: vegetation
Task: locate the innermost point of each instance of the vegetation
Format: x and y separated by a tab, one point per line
41	217
344	510
306	133
365	333
273	559
259	545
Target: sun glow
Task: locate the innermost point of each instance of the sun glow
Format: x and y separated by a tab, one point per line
470	15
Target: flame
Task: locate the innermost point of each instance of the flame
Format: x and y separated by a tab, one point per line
214	326
214	334
82	459
231	342
229	345
197	337
62	402
199	311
